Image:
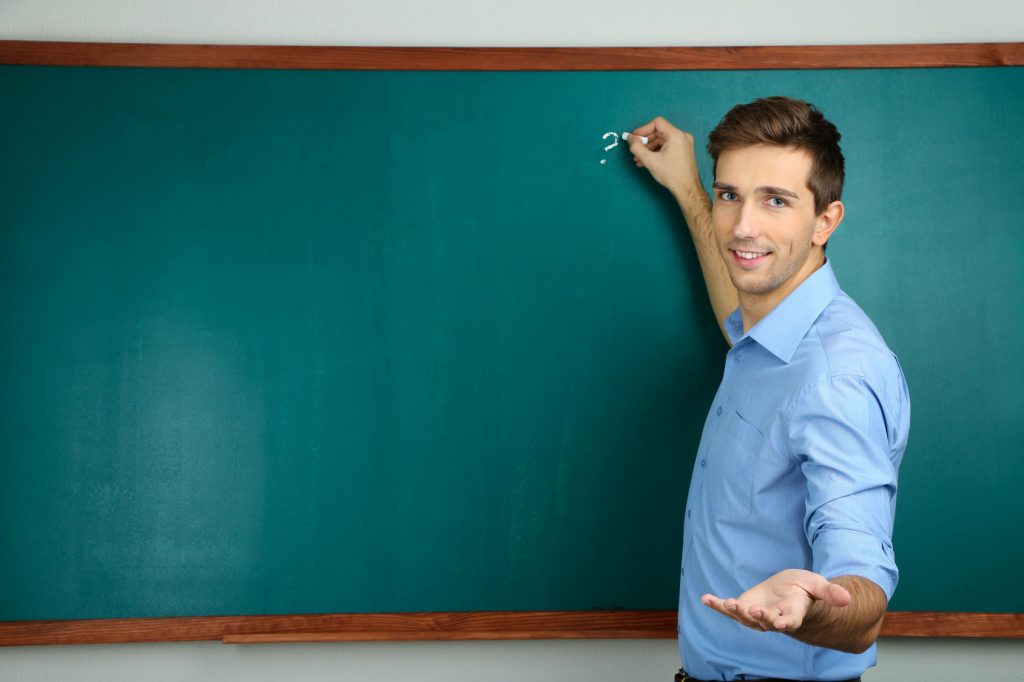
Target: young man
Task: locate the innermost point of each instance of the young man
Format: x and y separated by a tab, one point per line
787	557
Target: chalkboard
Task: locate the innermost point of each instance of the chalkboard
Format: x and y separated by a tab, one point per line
322	342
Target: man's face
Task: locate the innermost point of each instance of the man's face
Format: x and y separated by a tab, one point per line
765	223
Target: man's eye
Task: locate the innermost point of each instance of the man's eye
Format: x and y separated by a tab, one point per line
776	202
727	196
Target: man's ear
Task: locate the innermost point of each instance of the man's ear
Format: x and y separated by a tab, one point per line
827	223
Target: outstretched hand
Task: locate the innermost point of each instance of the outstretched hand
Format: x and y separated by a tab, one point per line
780	603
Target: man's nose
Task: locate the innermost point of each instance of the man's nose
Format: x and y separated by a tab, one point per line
746	223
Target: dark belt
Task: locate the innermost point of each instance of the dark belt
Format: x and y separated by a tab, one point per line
682	676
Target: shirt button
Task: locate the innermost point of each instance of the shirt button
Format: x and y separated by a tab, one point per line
718	412
703	463
689	513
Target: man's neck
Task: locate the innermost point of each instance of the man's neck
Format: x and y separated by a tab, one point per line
755	307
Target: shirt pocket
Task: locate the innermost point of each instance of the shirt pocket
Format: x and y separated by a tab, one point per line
732	467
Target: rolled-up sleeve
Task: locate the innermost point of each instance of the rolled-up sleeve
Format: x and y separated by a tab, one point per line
840	431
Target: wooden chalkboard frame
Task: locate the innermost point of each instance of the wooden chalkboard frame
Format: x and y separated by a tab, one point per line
508	625
510	59
480	625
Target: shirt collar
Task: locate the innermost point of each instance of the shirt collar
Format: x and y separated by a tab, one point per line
782	329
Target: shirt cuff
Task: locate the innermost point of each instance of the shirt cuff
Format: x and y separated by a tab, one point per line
850	552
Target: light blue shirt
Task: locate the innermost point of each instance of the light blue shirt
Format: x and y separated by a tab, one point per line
796	468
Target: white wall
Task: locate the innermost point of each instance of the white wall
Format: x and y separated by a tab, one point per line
573	661
492	23
514	22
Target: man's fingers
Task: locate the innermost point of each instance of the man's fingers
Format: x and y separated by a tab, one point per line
780	603
655	140
640	151
659	124
735	609
786	622
837	595
771	619
713	602
656	131
828	592
726	607
648	128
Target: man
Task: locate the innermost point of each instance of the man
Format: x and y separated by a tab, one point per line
787	557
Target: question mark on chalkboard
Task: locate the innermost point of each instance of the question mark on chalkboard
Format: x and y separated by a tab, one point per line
613	145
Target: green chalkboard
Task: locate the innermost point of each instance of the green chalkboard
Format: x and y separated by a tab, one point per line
293	342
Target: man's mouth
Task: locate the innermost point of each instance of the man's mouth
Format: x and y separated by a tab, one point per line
748	258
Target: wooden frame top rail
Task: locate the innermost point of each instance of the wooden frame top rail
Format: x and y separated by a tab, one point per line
510	625
509	59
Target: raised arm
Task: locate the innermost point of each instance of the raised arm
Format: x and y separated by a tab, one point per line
669	157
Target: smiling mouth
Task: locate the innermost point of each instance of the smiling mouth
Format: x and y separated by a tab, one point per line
748	258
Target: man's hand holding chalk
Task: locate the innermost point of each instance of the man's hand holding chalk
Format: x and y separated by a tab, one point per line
626	136
667	152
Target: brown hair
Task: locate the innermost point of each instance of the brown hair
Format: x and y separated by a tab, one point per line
786	122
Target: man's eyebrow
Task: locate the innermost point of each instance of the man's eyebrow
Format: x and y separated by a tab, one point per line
777	190
766	189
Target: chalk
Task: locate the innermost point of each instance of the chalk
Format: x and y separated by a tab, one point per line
626	136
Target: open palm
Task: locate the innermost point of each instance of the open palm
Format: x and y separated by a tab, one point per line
781	602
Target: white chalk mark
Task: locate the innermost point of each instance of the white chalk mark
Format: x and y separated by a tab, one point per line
613	145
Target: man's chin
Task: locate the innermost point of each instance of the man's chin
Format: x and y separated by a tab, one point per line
748	283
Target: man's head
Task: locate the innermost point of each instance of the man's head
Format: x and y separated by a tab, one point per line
778	178
785	122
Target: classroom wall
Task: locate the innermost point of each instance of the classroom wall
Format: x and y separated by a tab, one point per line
489	23
513	22
578	661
